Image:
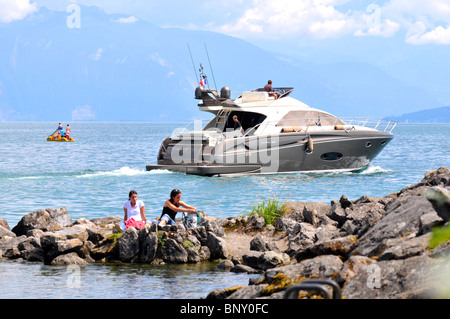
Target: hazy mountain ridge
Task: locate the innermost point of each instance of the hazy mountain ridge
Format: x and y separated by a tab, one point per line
112	71
436	115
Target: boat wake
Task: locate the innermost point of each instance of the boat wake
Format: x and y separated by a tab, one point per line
374	170
371	170
128	171
124	171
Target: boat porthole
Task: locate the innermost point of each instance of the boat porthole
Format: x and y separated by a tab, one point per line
368	144
332	156
383	143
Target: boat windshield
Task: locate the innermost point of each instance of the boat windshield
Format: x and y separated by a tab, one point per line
308	118
281	92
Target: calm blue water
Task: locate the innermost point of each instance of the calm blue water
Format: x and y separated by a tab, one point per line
92	177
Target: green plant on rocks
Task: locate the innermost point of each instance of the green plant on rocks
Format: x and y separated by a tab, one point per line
188	244
439	236
161	238
270	209
114	237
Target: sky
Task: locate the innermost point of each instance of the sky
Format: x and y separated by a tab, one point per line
415	22
325	37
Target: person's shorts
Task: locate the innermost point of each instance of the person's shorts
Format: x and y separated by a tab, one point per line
169	221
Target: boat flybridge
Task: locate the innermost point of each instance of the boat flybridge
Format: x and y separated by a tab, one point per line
274	133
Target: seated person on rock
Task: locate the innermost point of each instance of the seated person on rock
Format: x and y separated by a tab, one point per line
134	212
172	206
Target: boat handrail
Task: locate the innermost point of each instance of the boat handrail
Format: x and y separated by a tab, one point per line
194	126
346	123
384	125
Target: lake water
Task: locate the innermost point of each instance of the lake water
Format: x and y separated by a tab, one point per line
92	177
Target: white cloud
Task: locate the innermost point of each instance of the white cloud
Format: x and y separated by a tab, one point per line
412	11
418	35
315	19
83	113
386	29
320	19
11	10
329	29
425	22
130	19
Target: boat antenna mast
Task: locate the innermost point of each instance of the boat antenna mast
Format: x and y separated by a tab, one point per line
193	64
210	66
203	77
200	92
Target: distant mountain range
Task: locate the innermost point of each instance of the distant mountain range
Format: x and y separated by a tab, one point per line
437	115
118	69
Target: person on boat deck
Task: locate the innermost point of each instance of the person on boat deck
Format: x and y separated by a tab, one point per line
68	131
237	124
268	88
173	206
133	208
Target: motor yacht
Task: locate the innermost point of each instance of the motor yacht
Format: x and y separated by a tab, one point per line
274	133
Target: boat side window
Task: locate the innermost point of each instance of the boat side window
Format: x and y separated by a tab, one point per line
248	120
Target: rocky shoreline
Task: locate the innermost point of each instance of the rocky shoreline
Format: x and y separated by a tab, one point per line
372	247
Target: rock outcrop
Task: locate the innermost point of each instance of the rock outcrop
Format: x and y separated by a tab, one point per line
50	236
372	247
